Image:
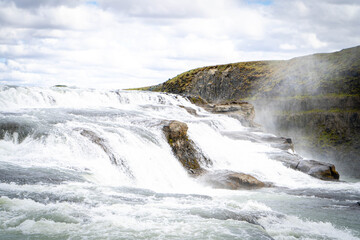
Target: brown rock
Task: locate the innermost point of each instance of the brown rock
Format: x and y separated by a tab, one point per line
231	180
183	148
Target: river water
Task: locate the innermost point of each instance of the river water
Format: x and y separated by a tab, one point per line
124	182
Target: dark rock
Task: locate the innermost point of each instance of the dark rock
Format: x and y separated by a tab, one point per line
184	148
231	180
93	137
190	110
317	169
283	143
101	143
321	170
21	129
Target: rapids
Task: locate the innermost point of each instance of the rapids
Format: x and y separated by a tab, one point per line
94	164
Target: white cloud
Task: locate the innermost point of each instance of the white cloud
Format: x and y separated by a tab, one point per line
312	40
122	44
287	46
302	8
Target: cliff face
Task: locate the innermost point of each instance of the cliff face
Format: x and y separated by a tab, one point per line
314	99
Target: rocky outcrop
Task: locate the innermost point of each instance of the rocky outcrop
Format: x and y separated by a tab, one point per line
321	170
334	73
242	111
317	169
184	148
231	180
192	160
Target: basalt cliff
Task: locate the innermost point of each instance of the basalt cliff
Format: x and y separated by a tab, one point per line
313	99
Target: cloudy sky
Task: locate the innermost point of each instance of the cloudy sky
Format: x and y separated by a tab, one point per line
133	43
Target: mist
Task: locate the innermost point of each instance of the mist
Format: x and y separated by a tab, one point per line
316	103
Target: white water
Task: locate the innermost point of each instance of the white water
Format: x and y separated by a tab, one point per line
57	183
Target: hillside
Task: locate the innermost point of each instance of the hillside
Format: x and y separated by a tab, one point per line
314	99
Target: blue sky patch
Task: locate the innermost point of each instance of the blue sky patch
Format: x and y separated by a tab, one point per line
260	2
92	3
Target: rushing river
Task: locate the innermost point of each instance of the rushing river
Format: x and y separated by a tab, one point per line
57	183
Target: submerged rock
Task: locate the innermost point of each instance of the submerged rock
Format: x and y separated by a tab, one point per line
190	110
102	143
16	130
231	180
184	148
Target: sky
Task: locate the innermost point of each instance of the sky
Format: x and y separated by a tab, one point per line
120	44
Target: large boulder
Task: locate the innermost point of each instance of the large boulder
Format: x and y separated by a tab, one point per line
184	148
321	170
317	169
231	180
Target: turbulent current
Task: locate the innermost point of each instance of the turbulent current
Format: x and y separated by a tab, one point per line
92	164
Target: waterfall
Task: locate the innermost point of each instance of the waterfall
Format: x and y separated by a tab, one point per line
89	158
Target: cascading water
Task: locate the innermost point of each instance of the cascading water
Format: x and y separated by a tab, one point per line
91	164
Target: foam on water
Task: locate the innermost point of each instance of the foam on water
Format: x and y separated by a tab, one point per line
147	193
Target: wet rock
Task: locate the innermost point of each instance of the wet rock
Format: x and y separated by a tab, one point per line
286	158
280	143
231	180
12	129
321	170
243	111
93	137
184	148
101	143
190	110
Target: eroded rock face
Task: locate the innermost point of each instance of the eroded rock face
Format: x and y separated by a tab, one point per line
184	148
231	180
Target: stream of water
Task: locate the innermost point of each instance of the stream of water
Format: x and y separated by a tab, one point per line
57	183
